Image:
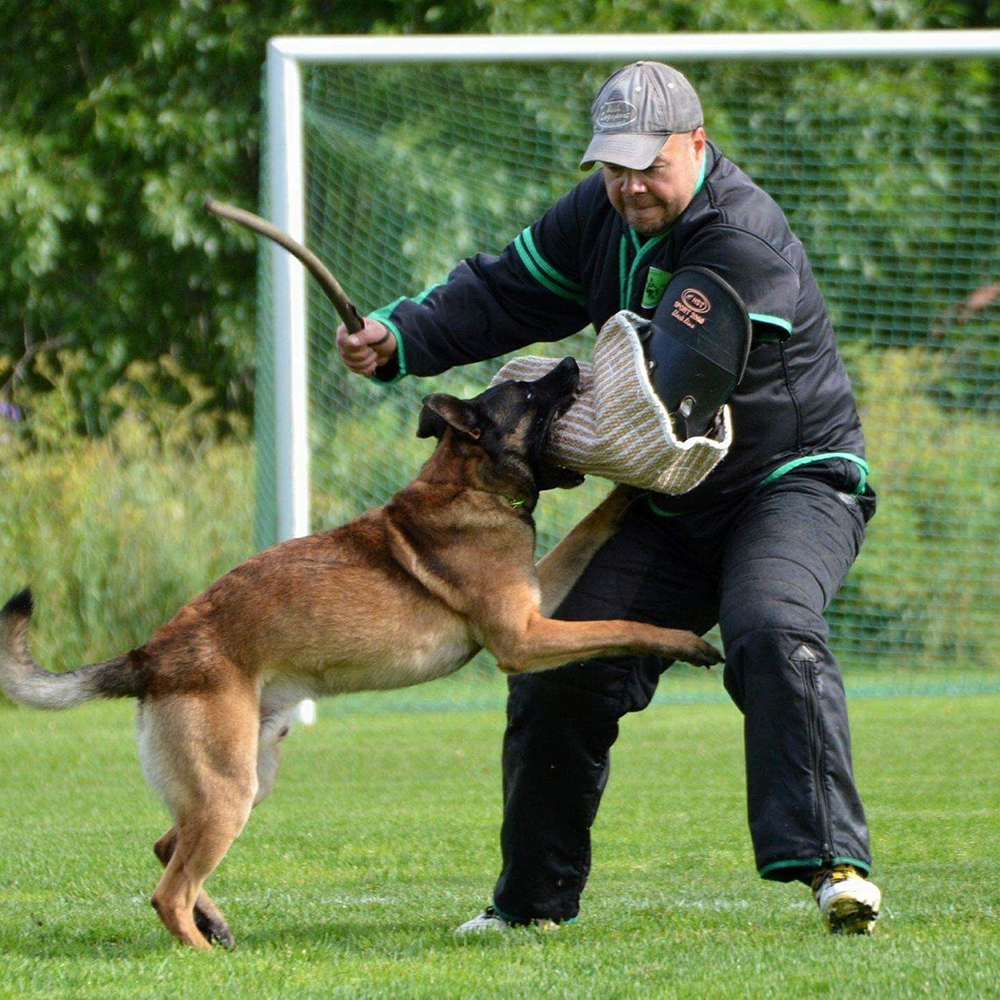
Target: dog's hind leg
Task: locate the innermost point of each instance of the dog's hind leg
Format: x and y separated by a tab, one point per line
208	919
562	566
206	751
202	842
275	722
207	916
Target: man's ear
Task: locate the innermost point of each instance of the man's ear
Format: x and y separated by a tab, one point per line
441	410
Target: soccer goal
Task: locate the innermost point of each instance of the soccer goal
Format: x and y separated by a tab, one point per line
393	158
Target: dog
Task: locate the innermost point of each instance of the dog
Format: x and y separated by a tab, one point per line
405	593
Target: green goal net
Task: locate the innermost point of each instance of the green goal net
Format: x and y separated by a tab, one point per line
888	172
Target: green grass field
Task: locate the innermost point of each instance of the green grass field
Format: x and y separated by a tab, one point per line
382	836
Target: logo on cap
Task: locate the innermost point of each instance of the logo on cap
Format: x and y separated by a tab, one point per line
616	114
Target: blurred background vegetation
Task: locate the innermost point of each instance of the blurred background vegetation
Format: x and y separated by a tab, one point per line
127	316
119	118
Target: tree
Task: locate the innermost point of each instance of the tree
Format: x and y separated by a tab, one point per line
118	119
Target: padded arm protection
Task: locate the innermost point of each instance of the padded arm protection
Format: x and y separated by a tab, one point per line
697	345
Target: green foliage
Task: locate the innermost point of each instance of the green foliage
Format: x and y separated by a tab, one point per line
114	534
613	16
925	590
175	408
118	119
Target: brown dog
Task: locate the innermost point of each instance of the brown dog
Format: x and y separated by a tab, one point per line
405	593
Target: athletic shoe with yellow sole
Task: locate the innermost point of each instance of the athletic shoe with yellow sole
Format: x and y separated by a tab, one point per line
847	901
489	921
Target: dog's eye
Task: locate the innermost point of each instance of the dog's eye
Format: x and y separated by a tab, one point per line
527	396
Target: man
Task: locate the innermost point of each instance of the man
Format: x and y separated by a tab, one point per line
761	546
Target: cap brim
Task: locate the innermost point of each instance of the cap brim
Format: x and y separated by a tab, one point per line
626	149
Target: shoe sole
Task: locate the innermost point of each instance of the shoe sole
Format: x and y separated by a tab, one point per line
545	926
851	916
498	927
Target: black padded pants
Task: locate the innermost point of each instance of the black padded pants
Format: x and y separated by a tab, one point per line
765	568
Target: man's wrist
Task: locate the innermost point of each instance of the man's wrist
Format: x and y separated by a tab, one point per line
392	367
385	343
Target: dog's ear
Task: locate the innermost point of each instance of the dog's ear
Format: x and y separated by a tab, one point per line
441	410
430	425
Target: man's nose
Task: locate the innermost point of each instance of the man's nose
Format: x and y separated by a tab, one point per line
634	182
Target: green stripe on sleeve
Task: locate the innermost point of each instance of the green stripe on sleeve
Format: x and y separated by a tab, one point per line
385	311
546	266
382	316
544	273
773	320
420	296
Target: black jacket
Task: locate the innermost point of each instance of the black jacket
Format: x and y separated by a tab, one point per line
580	263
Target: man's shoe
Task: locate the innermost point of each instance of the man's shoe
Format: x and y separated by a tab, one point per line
489	921
847	901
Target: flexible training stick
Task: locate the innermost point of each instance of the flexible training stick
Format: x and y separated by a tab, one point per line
331	287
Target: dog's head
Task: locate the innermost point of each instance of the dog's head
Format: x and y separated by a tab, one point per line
510	423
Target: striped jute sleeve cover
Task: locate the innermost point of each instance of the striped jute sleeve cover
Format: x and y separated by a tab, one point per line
618	428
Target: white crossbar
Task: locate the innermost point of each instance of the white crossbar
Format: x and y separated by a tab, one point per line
677	47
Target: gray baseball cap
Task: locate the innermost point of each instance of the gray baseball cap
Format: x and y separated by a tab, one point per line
637	109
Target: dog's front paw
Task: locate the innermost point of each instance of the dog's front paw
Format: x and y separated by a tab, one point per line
693	649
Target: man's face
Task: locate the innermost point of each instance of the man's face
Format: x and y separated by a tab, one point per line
650	200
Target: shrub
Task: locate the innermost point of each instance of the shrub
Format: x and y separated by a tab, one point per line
113	534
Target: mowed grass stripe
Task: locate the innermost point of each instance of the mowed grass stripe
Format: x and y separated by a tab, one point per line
382	835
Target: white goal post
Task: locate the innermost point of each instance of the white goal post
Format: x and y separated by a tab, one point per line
286	161
287	470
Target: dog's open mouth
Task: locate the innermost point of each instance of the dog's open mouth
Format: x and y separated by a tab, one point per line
570	373
548	474
559	410
566	405
563	382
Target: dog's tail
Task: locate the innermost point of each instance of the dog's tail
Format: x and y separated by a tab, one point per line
25	681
